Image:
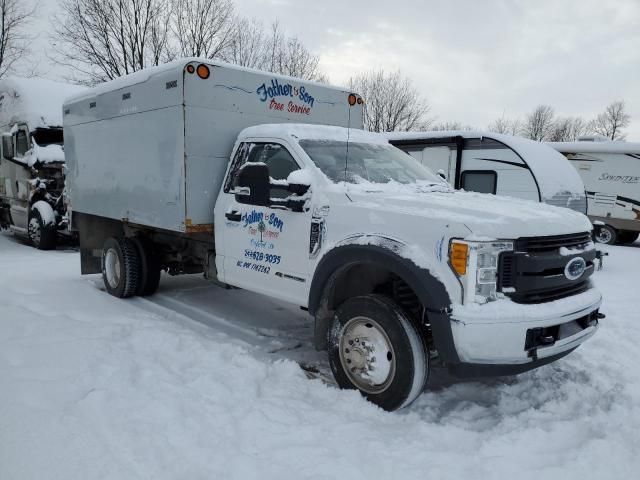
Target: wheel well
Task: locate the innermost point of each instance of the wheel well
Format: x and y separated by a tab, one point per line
362	279
358	279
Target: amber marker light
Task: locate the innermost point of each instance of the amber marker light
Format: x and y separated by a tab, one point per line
203	71
458	254
352	99
191	69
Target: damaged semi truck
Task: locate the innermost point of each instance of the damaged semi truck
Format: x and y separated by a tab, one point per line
32	160
269	184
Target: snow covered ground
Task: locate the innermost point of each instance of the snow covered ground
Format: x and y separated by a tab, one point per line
199	382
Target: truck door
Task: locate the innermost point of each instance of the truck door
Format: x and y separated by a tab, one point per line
265	249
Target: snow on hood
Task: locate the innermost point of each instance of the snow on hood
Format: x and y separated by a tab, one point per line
34	101
553	172
483	214
303	131
47	154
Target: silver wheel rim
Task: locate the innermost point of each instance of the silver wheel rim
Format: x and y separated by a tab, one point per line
34	231
603	235
112	268
366	355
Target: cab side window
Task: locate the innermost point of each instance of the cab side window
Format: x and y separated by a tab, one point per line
274	156
22	143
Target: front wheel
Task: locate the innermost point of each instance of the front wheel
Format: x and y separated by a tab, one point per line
606	234
42	226
376	349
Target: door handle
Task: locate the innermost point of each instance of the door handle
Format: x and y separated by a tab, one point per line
233	216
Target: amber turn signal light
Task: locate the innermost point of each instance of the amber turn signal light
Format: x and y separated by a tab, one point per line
458	254
203	71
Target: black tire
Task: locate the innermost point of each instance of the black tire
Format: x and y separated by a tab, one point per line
41	235
121	254
627	237
606	234
150	268
407	377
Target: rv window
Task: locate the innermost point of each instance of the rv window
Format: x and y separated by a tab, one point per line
22	143
483	181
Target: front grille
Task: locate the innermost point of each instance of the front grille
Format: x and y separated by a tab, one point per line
549	244
534	272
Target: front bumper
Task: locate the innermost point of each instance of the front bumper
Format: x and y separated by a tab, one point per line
520	337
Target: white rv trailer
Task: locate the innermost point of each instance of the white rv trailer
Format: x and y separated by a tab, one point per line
488	162
611	175
32	160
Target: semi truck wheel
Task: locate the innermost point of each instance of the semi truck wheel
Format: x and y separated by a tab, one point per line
374	348
42	227
149	268
606	234
120	267
627	237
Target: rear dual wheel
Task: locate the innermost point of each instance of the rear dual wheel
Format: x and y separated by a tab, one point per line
376	349
129	267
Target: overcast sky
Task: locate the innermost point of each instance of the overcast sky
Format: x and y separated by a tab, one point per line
474	60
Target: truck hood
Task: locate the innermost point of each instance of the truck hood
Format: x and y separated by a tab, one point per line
484	215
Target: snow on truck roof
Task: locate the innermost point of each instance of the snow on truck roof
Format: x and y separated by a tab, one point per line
142	76
35	101
596	147
551	169
303	131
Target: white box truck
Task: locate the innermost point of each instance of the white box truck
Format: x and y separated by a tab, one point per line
611	175
198	166
32	160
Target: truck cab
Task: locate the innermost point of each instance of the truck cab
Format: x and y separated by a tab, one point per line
32	159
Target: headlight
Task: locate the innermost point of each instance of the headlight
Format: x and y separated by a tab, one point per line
476	264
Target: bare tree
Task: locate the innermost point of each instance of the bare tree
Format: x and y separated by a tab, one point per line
105	39
392	103
539	123
567	129
611	122
203	28
449	126
252	46
14	41
506	126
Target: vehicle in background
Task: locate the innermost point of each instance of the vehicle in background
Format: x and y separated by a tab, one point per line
32	159
198	167
498	164
611	175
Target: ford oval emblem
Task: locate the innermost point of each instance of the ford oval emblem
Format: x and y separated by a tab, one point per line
575	268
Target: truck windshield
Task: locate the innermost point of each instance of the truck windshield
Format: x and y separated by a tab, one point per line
366	162
47	136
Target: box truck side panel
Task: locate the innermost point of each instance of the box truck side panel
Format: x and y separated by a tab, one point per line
115	175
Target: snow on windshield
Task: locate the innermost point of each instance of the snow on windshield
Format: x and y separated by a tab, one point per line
366	162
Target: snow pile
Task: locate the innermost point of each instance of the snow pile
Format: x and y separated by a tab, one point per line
34	101
95	387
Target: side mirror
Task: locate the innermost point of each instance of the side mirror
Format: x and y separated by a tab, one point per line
252	186
7	146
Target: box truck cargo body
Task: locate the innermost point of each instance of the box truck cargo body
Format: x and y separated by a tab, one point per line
189	113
